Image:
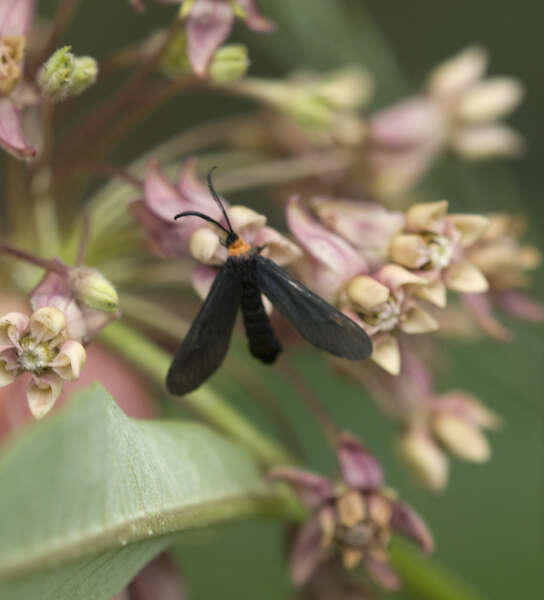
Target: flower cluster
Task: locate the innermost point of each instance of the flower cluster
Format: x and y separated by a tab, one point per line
458	109
379	266
354	518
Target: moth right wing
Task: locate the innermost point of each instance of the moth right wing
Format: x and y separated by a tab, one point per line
208	339
315	319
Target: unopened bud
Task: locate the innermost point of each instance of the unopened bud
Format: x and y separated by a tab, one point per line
91	288
346	89
425	459
65	75
175	60
462	438
490	100
229	64
487	141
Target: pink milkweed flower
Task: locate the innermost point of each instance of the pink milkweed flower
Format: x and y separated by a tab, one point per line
384	304
15	21
39	345
457	109
353	518
192	236
505	261
208	24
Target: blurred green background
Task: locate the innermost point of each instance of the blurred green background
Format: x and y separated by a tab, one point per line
489	523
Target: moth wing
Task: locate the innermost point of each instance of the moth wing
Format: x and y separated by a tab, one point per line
316	320
208	339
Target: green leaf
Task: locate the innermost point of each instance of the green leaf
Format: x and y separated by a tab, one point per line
89	496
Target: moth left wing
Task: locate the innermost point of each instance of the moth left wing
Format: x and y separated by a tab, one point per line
316	320
208	339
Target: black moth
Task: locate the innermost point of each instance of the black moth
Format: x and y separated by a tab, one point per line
240	282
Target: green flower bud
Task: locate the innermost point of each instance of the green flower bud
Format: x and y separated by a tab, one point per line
229	64
64	75
91	288
175	62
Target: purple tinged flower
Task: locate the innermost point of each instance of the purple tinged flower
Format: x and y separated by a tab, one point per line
39	345
367	226
15	21
191	236
209	23
354	518
329	261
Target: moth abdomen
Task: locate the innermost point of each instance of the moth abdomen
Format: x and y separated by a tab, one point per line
263	343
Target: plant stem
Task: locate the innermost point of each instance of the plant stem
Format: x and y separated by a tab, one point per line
424	579
154	361
49	265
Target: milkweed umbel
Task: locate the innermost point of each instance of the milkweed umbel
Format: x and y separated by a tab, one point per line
240	281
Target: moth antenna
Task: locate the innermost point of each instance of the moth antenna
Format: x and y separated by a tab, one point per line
218	199
191	213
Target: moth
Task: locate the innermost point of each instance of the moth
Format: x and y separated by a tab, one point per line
239	283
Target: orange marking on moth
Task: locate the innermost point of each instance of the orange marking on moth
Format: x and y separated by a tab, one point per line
239	247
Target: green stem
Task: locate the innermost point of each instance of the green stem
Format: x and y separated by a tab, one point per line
154	361
424	579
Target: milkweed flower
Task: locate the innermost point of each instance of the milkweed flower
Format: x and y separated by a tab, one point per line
380	301
353	518
192	236
434	244
457	109
15	22
505	261
208	24
39	345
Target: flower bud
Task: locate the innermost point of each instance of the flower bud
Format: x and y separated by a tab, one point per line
91	288
490	100
425	459
174	61
47	323
65	75
487	141
229	63
456	74
346	89
462	438
203	245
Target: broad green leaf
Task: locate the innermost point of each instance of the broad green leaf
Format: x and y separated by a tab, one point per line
88	496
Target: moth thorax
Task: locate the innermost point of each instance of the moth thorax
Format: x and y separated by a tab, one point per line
239	247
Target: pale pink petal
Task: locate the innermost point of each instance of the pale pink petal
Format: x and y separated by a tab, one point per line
161	196
11	134
208	26
202	278
323	245
382	573
69	361
406	521
414	122
12	327
16	16
360	469
521	306
307	552
312	488
255	20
